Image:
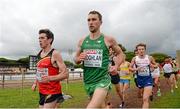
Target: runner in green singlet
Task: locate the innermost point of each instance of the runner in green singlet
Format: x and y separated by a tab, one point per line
93	52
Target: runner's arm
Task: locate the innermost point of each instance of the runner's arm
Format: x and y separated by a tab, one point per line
63	72
117	50
153	63
79	56
33	87
128	67
131	67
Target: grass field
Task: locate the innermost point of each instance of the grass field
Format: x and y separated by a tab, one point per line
25	98
18	98
170	100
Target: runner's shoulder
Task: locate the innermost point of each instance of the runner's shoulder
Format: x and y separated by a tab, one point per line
81	40
109	38
150	57
134	58
128	63
55	53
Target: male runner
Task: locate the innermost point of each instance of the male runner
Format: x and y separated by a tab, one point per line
93	51
50	71
143	65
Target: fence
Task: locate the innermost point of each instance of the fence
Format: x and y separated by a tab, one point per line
27	78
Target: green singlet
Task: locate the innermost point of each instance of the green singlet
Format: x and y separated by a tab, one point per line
96	64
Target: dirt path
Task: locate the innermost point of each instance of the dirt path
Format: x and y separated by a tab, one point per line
132	100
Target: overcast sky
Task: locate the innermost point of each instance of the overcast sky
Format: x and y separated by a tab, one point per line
154	22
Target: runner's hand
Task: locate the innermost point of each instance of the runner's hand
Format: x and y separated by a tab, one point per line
33	88
82	56
113	70
45	79
139	69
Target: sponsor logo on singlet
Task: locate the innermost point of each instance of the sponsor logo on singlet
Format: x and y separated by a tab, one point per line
93	58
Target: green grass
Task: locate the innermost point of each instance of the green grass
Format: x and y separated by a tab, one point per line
170	100
80	97
18	98
25	98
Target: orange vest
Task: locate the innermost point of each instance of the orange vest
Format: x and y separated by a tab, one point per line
45	68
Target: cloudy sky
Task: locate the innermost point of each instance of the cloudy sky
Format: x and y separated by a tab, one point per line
154	22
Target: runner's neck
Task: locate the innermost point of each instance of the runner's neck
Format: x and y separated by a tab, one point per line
141	56
46	50
95	36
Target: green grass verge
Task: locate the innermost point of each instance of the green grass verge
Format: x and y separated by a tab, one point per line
25	98
77	91
18	98
169	100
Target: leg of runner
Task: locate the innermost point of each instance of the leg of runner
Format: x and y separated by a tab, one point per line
168	81
57	105
50	105
175	80
118	90
122	95
125	88
98	98
158	87
41	106
155	89
146	94
140	92
172	83
107	101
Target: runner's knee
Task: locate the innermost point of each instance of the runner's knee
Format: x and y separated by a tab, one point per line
145	98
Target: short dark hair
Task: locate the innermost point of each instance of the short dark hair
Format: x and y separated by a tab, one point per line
96	12
48	33
135	50
141	44
166	58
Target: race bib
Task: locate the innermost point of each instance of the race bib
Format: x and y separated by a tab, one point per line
144	71
41	72
123	73
93	58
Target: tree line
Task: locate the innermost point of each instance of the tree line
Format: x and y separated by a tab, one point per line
159	57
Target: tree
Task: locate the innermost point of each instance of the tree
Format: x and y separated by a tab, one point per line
3	60
68	64
129	55
159	57
78	66
23	60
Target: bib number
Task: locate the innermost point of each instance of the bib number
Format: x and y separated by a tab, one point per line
93	58
40	73
123	73
144	71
